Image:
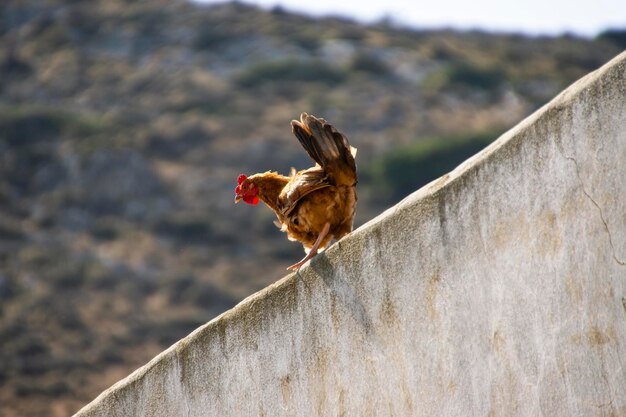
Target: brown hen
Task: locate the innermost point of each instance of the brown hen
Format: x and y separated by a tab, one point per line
314	205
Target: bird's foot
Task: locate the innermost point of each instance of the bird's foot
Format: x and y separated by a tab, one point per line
297	265
313	251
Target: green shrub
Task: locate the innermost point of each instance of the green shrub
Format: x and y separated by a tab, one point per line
463	76
10	228
106	229
213	36
369	63
187	229
206	295
23	126
615	36
19	128
30	388
476	77
308	41
289	70
67	274
402	171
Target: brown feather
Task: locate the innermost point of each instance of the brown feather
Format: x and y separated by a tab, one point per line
325	193
301	184
328	147
270	185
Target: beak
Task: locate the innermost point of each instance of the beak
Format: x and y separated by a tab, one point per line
237	199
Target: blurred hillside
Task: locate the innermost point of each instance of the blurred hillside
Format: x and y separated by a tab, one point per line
124	125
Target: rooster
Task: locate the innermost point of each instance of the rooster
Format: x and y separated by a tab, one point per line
314	205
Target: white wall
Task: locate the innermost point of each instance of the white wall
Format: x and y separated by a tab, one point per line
497	290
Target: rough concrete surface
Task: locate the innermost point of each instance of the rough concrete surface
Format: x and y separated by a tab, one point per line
496	290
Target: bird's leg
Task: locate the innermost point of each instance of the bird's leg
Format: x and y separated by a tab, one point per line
314	248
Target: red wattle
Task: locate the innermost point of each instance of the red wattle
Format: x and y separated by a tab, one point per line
251	199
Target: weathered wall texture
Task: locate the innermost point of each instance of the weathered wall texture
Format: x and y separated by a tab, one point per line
497	290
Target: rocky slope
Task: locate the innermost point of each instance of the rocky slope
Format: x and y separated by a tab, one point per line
123	126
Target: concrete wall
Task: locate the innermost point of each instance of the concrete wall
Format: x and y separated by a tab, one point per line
496	290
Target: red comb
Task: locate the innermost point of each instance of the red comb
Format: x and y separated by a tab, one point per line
241	179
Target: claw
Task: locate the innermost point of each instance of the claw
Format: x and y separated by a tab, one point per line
297	265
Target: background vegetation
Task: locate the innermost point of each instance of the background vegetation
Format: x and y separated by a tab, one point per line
124	125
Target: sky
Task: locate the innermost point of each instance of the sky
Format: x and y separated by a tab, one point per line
536	17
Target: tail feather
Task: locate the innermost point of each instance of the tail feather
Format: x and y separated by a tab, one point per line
328	147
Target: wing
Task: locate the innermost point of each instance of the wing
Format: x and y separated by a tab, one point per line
328	147
301	184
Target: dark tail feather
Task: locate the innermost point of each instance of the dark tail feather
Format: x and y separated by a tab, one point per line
326	146
306	140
